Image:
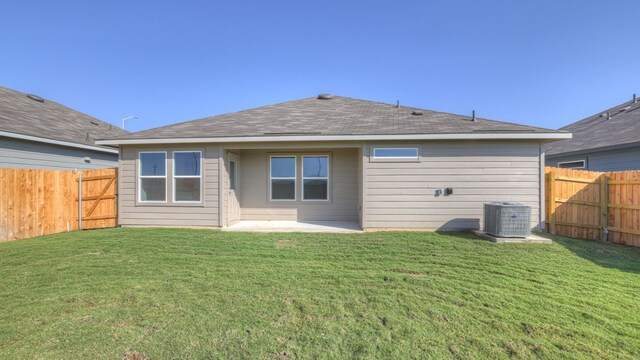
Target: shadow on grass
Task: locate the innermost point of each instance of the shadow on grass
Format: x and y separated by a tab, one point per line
609	255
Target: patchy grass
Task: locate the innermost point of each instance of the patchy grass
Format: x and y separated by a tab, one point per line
170	293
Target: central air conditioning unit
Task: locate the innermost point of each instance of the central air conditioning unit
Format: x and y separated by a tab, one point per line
507	219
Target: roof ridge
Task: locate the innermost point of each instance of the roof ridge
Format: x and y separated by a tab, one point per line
218	115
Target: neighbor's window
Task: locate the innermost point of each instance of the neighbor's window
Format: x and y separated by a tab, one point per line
395	153
283	177
315	177
187	176
577	164
152	176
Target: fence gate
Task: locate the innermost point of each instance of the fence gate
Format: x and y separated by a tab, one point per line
97	198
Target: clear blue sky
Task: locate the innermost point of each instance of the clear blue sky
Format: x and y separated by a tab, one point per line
545	63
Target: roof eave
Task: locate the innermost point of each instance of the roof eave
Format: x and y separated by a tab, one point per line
290	138
57	142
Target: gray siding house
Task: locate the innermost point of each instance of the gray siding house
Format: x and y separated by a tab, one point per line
606	141
330	158
40	134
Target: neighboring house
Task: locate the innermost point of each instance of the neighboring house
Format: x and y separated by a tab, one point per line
38	133
326	159
606	141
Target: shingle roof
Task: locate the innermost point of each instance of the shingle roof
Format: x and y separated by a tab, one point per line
337	116
22	115
598	131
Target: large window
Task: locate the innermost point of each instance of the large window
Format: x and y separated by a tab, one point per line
395	153
282	171
315	177
152	179
187	176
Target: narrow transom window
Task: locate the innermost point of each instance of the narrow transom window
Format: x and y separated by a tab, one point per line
395	153
152	176
187	176
576	164
282	171
315	177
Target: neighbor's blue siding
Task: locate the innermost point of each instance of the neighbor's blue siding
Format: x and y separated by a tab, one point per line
16	153
612	160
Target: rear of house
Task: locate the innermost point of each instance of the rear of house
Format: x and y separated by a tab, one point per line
37	133
330	159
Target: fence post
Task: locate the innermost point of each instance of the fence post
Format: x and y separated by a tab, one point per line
80	201
604	205
552	202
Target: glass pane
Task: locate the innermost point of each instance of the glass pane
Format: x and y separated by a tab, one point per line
187	189
315	166
153	189
232	175
283	167
283	189
402	153
153	164
572	164
315	189
187	163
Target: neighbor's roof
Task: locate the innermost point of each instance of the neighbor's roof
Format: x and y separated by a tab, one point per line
24	117
318	119
617	126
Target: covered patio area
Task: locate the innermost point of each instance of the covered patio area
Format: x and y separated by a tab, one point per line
299	187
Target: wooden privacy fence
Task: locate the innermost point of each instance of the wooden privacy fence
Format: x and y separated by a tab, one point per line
594	205
41	202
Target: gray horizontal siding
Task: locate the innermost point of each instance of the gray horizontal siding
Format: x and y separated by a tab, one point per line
132	214
612	160
402	194
17	153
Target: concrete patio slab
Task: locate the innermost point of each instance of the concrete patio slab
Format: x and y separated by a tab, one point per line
295	226
533	239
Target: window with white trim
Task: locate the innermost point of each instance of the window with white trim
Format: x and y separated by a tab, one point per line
574	164
282	178
152	176
187	176
315	177
395	153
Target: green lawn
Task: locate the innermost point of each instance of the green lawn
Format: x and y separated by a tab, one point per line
173	293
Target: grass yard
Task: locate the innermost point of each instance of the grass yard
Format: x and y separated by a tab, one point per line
175	293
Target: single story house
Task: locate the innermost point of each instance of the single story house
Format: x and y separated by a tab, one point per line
606	141
330	158
37	133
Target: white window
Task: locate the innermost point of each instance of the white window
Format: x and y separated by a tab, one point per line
315	177
395	153
574	164
282	178
152	176
187	176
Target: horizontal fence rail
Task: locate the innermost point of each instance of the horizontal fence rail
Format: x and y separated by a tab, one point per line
594	205
41	202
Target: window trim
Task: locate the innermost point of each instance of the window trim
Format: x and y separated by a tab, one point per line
165	177
303	178
295	178
174	176
392	158
583	161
